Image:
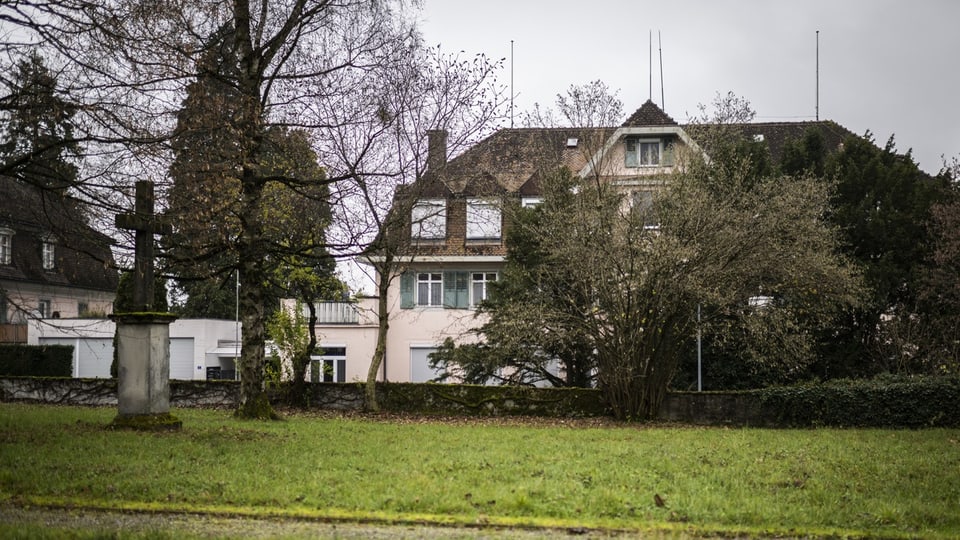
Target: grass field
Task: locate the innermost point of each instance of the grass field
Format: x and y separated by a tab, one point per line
511	473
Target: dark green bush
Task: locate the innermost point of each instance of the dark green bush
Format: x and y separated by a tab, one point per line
888	402
36	361
475	400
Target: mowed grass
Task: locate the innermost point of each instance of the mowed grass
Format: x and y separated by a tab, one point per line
710	480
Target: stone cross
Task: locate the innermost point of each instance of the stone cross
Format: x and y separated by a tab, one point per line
146	224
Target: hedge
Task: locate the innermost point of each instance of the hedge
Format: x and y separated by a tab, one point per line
880	403
473	400
884	402
36	361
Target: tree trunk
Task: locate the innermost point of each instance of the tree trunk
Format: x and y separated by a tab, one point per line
383	326
251	245
253	395
298	387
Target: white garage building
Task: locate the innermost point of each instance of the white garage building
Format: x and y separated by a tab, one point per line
199	348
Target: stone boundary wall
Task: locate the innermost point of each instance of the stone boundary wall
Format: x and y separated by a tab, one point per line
711	408
103	392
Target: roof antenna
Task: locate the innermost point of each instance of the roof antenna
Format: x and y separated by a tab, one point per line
818	77
511	84
663	104
650	64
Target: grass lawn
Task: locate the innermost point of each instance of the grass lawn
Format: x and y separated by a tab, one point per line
542	474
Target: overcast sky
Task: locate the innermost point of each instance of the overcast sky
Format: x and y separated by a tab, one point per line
888	67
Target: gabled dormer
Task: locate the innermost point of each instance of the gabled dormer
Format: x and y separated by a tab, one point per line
644	145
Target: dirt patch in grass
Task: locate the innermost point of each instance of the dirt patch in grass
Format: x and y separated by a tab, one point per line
33	522
527	421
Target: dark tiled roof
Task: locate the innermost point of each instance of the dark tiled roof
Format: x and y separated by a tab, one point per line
83	256
649	115
515	160
511	158
777	134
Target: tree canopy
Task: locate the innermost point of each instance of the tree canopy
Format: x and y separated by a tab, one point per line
619	279
37	143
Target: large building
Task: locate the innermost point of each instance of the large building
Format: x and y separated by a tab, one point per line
455	238
52	263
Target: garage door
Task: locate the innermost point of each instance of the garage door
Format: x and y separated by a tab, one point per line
91	356
420	370
181	358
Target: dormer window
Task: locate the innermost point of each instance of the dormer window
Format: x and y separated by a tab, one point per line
6	245
429	219
642	152
531	202
49	253
483	220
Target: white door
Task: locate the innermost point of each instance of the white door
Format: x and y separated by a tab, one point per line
181	358
91	356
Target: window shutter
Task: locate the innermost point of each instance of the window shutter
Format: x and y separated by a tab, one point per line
408	282
456	294
463	290
667	154
631	159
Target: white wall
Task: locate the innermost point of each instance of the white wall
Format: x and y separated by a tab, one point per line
63	300
412	330
92	339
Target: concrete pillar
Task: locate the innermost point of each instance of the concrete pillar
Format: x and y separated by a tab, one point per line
143	372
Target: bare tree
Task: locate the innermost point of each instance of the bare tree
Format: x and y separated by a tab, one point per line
381	148
127	64
590	105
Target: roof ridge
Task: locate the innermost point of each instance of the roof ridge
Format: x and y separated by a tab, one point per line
649	114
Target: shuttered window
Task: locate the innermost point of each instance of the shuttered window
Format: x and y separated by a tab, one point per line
428	220
455	291
641	152
450	289
483	220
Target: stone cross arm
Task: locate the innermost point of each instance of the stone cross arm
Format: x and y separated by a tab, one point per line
145	224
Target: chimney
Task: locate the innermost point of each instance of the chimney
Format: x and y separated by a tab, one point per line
436	149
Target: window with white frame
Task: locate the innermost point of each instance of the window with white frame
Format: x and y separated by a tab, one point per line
531	202
331	366
43	309
49	254
429	219
642	152
6	245
429	289
483	220
480	286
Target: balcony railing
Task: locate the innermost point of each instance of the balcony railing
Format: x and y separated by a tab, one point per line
335	313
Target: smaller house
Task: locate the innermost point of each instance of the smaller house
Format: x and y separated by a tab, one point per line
199	348
52	263
346	338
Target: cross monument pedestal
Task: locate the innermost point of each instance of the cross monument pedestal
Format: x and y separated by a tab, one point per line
143	335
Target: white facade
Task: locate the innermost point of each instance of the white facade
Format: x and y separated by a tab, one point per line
25	300
196	345
417	331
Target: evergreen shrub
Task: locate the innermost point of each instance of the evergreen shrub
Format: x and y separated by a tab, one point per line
36	361
882	402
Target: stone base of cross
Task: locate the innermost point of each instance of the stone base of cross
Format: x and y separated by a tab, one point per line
143	337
